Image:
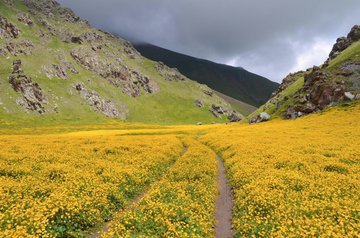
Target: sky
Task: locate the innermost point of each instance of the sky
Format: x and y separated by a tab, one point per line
268	37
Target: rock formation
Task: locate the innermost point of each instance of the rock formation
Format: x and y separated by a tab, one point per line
7	29
104	106
32	95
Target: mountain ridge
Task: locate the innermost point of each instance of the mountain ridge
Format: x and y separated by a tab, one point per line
232	81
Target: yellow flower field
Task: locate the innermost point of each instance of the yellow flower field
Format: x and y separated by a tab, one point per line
182	204
56	185
298	178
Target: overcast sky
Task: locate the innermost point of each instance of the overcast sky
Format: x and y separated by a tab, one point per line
267	37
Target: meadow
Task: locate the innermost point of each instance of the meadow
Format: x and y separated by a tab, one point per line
298	178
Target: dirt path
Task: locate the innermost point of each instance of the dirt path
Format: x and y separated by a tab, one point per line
224	205
134	203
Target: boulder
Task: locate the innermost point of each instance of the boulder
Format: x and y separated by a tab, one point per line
219	109
199	103
76	40
291	113
234	117
262	117
349	96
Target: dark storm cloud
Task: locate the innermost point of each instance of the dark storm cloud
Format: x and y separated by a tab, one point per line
268	37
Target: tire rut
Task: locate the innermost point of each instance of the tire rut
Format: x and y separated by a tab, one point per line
105	228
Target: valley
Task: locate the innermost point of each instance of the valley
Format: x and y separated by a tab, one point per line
101	138
282	184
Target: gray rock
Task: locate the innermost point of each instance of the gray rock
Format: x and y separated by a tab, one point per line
234	117
262	117
25	19
199	103
215	114
219	109
170	74
354	34
20	48
349	96
7	29
32	95
104	106
208	92
341	44
199	123
130	81
291	113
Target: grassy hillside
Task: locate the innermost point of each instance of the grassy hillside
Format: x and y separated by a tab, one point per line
231	81
172	103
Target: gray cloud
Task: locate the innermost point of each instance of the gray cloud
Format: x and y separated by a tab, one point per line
268	37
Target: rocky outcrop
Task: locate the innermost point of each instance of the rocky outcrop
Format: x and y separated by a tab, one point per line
7	29
130	51
170	74
343	43
25	19
219	111
60	70
32	95
262	117
51	8
208	92
55	70
234	117
130	81
20	48
287	81
320	91
104	106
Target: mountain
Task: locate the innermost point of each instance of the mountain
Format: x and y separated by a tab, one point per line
337	81
56	68
235	82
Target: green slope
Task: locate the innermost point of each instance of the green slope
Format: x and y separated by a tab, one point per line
231	81
173	104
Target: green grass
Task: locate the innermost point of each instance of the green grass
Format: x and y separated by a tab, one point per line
288	92
352	52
